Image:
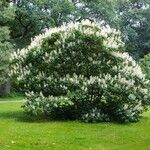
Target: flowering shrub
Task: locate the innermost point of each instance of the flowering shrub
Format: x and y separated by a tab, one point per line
55	107
84	63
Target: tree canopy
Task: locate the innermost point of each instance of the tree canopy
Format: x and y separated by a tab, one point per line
34	16
134	19
5	44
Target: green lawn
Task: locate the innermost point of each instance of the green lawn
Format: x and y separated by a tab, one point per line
18	133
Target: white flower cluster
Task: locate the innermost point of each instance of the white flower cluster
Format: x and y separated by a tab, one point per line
130	66
113	38
113	41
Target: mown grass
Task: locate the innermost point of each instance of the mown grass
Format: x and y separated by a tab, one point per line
18	132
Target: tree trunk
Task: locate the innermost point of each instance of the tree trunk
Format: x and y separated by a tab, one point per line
4	89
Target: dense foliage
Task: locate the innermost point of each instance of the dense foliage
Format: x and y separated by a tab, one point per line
84	63
33	16
6	14
134	18
145	65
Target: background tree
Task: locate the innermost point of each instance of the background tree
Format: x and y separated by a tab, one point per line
34	16
103	12
6	14
134	22
145	64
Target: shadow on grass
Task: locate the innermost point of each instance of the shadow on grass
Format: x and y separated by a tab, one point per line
20	116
